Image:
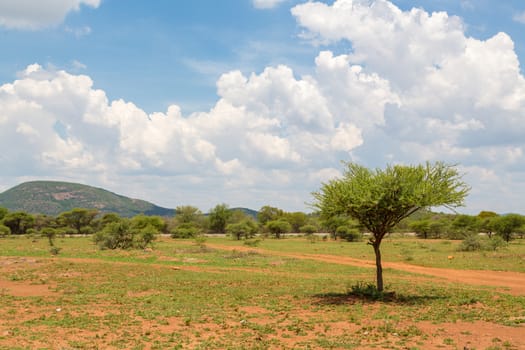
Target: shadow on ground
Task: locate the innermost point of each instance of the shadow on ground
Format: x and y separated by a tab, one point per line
353	297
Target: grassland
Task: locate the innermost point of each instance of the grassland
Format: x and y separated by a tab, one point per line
225	295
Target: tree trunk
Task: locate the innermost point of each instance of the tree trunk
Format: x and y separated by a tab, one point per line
379	268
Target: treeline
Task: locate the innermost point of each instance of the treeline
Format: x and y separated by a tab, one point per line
427	224
112	231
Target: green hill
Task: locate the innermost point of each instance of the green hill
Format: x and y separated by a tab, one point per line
53	198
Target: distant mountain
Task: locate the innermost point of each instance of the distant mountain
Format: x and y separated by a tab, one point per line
249	212
53	198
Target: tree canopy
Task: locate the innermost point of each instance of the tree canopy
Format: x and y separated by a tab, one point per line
381	198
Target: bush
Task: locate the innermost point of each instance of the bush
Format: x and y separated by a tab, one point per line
4	231
115	235
495	243
470	244
348	233
185	230
144	236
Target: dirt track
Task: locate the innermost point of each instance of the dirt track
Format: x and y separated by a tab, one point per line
510	282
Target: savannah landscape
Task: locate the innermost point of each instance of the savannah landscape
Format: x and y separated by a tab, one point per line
292	293
390	132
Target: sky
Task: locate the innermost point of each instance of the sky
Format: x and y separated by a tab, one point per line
258	102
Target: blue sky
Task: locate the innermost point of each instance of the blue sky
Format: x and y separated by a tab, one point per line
257	102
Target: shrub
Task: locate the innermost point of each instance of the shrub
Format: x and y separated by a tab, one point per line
115	235
185	230
495	243
4	231
144	236
470	244
348	233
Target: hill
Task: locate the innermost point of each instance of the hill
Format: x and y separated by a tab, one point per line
53	198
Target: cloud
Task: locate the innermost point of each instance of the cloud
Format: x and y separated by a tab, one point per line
32	15
412	87
266	4
265	131
519	17
443	95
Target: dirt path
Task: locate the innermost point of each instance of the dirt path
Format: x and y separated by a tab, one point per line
510	282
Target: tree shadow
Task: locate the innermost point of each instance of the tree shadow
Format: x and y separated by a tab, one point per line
367	293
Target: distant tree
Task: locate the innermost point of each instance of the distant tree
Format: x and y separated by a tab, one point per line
100	223
379	199
437	227
296	219
218	218
188	214
308	229
464	225
486	219
278	227
350	234
332	223
243	229
142	221
43	221
188	222
18	222
421	228
238	215
506	225
79	219
3	212
267	213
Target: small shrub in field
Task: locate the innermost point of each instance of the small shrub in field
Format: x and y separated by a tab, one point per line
366	290
145	236
54	250
115	235
200	240
348	234
495	243
122	235
185	230
470	244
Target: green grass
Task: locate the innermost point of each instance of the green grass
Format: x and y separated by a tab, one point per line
181	295
430	253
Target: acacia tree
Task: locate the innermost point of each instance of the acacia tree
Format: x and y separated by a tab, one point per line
218	218
79	219
506	225
379	199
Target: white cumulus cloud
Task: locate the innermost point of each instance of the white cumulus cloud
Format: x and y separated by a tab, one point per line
30	14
